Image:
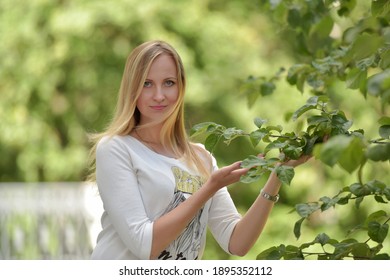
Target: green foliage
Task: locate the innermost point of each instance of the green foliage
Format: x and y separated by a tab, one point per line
62	62
376	226
359	58
343	147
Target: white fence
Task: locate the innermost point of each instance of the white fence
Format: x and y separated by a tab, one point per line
48	220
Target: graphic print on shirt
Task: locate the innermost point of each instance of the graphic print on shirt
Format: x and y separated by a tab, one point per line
187	245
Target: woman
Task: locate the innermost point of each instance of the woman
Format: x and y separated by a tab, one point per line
160	192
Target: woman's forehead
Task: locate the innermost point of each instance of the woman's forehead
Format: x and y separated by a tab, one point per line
163	65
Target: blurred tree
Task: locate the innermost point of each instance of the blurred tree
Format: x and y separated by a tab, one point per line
62	63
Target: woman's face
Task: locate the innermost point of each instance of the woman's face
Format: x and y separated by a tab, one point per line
160	91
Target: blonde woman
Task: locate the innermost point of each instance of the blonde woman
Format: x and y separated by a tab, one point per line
161	192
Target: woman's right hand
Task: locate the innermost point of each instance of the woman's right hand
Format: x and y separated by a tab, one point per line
227	175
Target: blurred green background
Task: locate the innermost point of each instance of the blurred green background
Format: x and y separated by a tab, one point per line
61	62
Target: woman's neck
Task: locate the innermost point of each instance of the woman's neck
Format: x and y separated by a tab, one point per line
148	135
153	141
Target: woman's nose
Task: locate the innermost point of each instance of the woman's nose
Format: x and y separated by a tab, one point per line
158	95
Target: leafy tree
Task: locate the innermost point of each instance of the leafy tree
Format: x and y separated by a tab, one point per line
359	58
62	62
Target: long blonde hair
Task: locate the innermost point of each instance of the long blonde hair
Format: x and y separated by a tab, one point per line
127	117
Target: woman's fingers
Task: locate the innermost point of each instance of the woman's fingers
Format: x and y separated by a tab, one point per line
299	161
234	166
229	174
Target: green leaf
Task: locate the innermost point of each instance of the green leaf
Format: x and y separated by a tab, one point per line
202	127
309	146
250	89
331	151
318	36
272	253
257	135
297	75
379	82
293	253
251	98
232	133
253	174
376	249
259	122
383	256
379	199
211	142
322	238
359	190
380	8
376	186
355	78
377	231
358	201
303	110
292	152
365	45
213	127
306	209
277	128
315	120
384	131
294	17
340	124
328	202
285	174
311	104
344	200
297	227
322	29
253	161
361	251
386	192
357	228
376	217
267	88
384	120
379	152
352	156
385	59
343	248
274	145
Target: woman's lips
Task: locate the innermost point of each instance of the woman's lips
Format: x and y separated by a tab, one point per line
158	107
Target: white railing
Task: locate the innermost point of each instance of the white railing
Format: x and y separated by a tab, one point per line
48	220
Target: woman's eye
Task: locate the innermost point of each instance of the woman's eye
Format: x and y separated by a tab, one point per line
169	83
147	84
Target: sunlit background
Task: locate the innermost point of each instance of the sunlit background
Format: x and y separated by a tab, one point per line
61	63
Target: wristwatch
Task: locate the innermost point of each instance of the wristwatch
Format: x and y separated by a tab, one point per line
273	198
